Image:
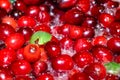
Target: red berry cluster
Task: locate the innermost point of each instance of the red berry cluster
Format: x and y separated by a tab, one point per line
59	39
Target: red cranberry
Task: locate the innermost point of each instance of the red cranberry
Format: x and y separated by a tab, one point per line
21	67
84	5
106	19
32	11
111	77
83	59
96	71
19	53
15	41
79	76
26	21
39	67
82	44
53	49
102	54
23	77
9	20
44	7
114	44
20	5
31	52
59	63
31	2
7	57
3	13
45	76
26	31
5	4
5	75
74	16
88	32
66	4
114	28
5	31
112	4
75	32
117	16
66	43
117	58
44	17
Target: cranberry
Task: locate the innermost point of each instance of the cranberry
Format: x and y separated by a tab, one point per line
15	41
74	16
21	67
82	44
9	20
26	21
114	44
5	4
111	77
39	67
106	19
53	49
5	74
31	52
45	77
96	71
82	59
26	31
75	32
79	76
31	2
60	62
66	4
117	16
23	77
3	13
112	4
84	5
44	7
19	54
5	31
102	54
7	57
33	11
114	28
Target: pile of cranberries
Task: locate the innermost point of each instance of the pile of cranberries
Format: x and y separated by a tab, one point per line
59	39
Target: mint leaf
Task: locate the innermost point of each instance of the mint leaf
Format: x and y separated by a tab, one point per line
113	68
40	37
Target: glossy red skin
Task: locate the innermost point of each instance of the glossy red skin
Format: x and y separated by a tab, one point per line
19	53
20	5
113	44
9	20
26	21
31	2
21	67
66	43
33	11
112	4
117	16
31	52
106	19
39	67
5	4
5	31
53	49
43	17
84	5
44	7
5	75
117	58
79	76
67	4
15	41
83	59
23	77
7	57
96	71
71	18
111	77
97	10
75	32
99	40
114	28
59	63
45	76
102	54
82	44
88	32
26	32
42	27
90	21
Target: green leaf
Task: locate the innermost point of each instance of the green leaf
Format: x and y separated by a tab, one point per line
113	68
40	38
12	1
